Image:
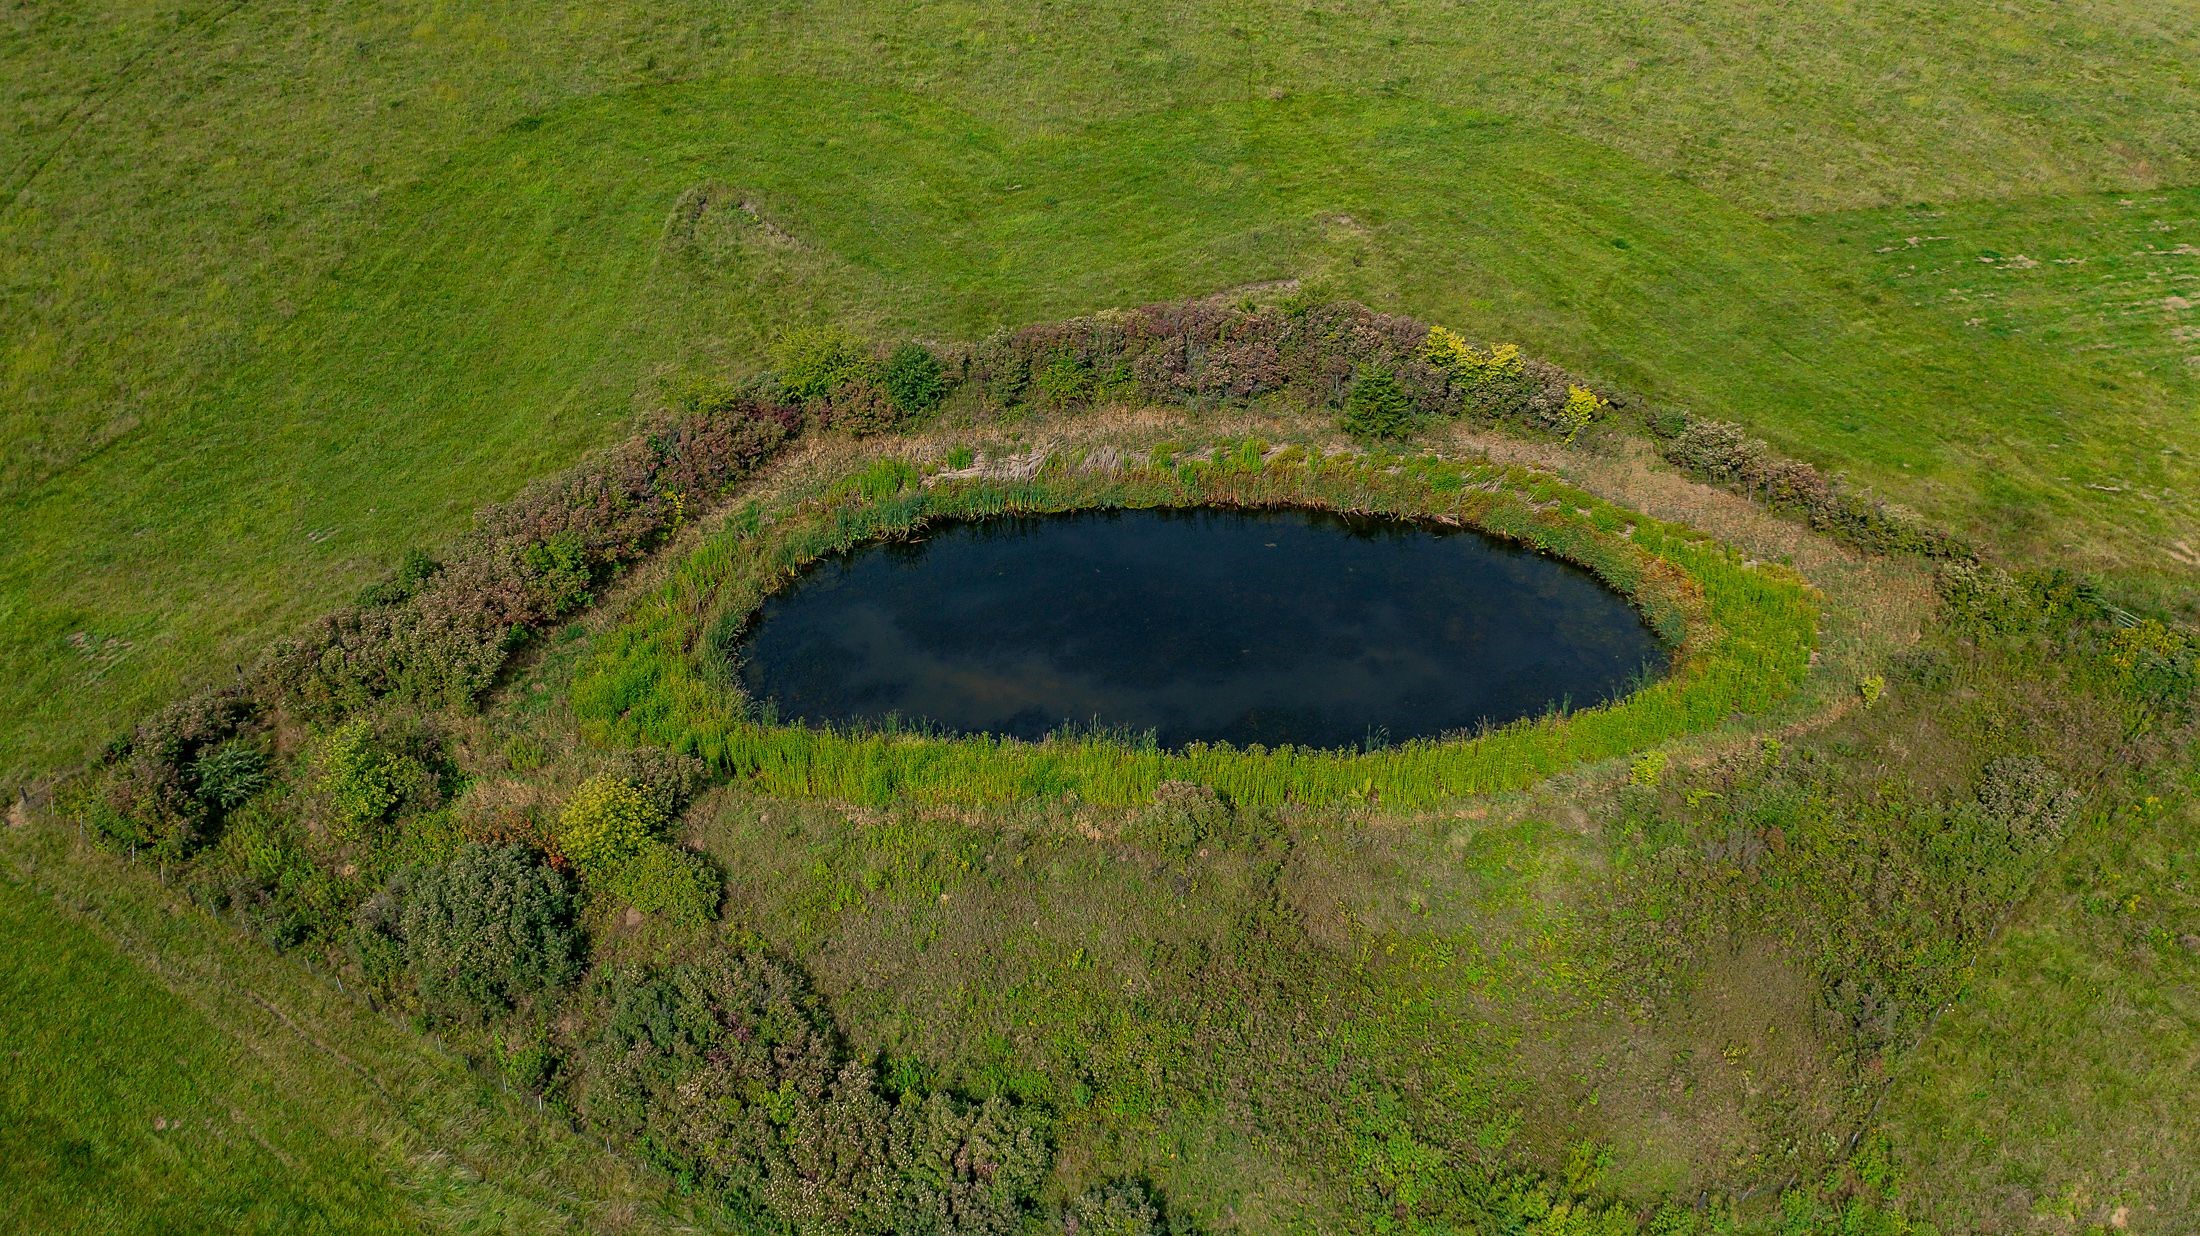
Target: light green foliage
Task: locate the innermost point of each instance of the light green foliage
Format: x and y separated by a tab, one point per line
1648	770
665	879
816	361
606	821
1376	408
364	780
1583	406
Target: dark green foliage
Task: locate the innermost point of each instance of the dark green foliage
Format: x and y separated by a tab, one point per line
377	938
490	928
1119	1208
1008	379
1376	408
914	380
226	776
147	796
414	570
728	1069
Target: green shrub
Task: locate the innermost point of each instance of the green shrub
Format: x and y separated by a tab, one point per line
1117	1208
914	380
1065	382
366	782
667	779
413	571
1376	408
260	876
227	775
665	879
560	573
861	407
488	929
816	361
732	1074
2022	795
607	821
1181	817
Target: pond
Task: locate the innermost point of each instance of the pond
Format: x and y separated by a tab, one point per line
1274	627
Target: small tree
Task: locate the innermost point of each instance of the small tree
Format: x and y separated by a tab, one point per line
489	928
914	380
1376	408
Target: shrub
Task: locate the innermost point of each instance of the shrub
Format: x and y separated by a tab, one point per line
1582	408
2022	795
665	879
914	380
1181	817
862	408
561	573
225	776
1065	382
1376	408
366	782
260	875
731	1072
814	362
607	820
488	929
413	571
1117	1208
377	939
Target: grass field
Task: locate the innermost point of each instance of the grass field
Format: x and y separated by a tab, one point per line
287	289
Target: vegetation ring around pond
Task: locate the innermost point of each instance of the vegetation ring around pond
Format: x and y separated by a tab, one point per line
1741	633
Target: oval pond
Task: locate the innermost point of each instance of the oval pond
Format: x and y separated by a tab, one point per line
1272	627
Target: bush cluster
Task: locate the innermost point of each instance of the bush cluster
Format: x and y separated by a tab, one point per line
1204	353
477	935
1725	454
728	1071
439	632
169	783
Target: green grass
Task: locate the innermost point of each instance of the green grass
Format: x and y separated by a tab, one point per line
124	1106
2059	1088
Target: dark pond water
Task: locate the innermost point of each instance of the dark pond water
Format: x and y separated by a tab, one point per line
1272	627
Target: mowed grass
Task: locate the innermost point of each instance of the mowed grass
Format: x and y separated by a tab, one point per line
123	1106
517	303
